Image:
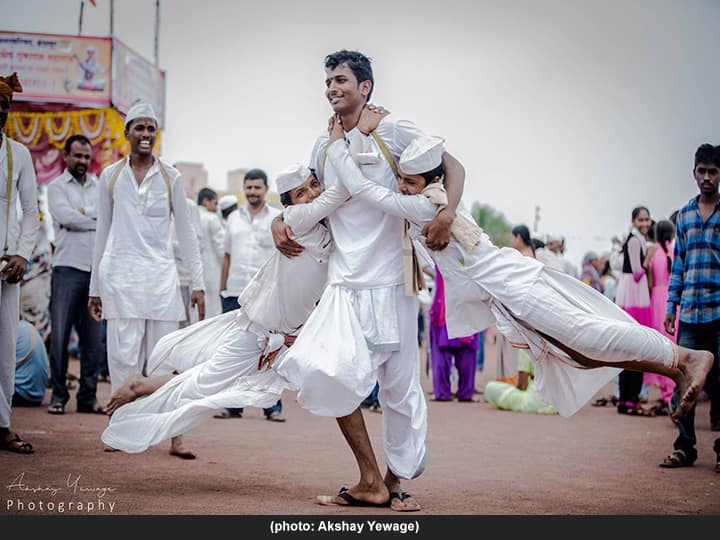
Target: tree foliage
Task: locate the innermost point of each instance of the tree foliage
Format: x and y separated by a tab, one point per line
493	222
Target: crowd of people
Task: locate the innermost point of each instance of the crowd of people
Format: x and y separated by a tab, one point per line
197	308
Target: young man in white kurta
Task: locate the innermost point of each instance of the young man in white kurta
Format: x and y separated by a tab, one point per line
18	235
134	271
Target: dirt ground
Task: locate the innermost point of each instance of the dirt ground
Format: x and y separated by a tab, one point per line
481	461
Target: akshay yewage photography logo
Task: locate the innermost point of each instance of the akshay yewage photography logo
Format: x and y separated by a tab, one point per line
71	493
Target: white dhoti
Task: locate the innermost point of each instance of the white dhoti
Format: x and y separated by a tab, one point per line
130	343
334	370
9	320
225	375
585	321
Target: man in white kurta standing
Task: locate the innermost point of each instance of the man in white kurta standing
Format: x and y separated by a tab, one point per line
17	180
248	244
367	265
212	249
134	283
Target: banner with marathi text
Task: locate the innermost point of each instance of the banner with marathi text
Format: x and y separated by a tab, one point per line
59	69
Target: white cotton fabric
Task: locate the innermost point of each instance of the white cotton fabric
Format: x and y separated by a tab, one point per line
74	232
248	241
129	344
9	320
229	378
22	230
134	269
218	358
524	297
293	176
211	253
422	155
141	110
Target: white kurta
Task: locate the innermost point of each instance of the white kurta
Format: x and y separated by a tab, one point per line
134	270
219	357
21	236
212	252
487	284
364	325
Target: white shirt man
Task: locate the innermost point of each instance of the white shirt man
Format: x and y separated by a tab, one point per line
212	249
72	201
18	235
134	271
248	244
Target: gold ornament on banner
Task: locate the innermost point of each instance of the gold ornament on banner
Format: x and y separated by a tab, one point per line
106	126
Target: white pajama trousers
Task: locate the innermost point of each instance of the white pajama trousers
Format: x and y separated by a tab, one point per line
9	319
586	322
129	344
334	371
229	378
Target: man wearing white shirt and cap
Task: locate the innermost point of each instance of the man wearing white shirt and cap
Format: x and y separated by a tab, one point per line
134	283
18	236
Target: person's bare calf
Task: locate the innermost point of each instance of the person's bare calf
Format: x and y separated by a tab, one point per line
371	489
135	386
689	375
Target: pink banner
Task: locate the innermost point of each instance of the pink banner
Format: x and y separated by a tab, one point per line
59	69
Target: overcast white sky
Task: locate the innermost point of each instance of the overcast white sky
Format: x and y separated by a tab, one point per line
585	108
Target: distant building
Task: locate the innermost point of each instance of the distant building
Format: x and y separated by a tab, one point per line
235	180
194	176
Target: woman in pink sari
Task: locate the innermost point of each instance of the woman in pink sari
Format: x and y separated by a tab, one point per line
658	264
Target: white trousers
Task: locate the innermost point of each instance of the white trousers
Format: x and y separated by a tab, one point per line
404	418
9	319
129	344
331	366
229	378
587	322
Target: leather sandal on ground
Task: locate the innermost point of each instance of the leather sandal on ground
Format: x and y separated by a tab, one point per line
677	459
401	496
226	414
349	500
12	442
91	409
56	408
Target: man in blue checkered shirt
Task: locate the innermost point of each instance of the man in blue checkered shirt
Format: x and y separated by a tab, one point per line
695	287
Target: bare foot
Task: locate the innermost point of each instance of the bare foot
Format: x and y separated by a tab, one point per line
125	394
110	449
177	448
694	367
358	495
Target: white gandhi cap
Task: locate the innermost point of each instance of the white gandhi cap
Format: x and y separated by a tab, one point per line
141	110
293	176
422	155
226	201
